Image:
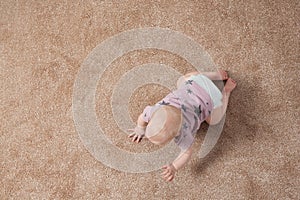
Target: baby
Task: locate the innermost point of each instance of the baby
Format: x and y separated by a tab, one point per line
179	115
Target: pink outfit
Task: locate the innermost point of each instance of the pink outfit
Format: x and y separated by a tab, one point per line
195	104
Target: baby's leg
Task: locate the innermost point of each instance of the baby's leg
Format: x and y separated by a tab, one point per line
218	75
218	113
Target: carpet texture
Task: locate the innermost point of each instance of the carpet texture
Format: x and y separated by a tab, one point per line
42	47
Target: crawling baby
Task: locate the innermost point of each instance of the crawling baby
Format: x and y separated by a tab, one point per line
179	115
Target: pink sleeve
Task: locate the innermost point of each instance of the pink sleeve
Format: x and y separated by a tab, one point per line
147	114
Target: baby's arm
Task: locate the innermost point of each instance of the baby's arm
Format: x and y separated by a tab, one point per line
139	130
183	158
178	163
141	122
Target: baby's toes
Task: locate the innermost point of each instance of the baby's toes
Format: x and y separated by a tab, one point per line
226	74
233	81
223	74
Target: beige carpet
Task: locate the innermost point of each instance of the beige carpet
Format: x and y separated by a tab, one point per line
43	45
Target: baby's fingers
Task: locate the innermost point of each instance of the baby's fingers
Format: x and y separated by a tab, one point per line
134	138
165	172
170	178
139	139
168	175
131	135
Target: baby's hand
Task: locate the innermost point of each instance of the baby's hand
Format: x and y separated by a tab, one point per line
138	133
169	172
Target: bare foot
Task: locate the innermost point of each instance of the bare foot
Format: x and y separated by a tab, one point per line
223	75
230	85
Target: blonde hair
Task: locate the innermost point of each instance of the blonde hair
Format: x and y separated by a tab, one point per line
164	125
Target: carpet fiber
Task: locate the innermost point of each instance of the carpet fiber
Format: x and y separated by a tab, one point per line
43	45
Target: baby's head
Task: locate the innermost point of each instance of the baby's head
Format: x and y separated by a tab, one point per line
164	125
